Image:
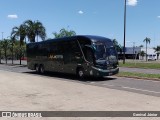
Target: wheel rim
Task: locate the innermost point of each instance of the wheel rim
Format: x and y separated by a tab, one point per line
42	69
37	68
81	73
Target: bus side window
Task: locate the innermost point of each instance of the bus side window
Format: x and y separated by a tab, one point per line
88	53
75	49
30	50
66	52
71	51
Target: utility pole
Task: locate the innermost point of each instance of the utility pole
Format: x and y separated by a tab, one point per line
124	45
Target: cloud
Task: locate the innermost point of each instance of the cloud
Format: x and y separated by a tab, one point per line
81	12
132	2
13	16
158	16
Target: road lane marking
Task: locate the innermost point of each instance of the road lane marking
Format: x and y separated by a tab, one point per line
141	90
109	85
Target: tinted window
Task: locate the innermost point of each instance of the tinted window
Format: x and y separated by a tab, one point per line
83	42
71	51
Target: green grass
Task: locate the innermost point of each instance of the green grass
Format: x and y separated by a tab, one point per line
139	75
141	65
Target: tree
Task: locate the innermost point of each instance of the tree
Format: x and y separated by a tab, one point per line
115	42
35	29
64	33
12	41
6	46
142	53
117	46
0	51
157	50
21	33
16	49
141	46
147	40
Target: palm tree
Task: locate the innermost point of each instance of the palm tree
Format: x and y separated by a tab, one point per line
21	33
35	29
157	50
147	40
12	41
64	33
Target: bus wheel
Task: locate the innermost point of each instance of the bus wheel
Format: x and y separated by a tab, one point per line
42	69
37	68
80	73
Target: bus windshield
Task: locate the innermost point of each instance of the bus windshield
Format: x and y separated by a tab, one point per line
104	52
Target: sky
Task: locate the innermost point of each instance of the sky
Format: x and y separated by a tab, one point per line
87	17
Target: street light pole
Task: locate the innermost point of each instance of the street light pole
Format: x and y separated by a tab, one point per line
124	45
2	35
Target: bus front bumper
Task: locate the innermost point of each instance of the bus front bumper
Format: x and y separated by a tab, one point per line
101	72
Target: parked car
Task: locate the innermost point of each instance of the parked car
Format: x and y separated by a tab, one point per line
151	57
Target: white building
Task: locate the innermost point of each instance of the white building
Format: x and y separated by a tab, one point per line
134	52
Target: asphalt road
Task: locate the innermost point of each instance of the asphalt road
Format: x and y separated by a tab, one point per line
147	87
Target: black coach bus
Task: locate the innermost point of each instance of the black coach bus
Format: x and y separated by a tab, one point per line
83	55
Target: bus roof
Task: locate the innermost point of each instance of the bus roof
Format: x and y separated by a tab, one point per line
93	38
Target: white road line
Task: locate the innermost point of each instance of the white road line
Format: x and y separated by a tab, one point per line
141	90
132	88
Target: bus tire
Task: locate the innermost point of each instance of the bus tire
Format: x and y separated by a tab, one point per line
80	73
41	69
37	68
